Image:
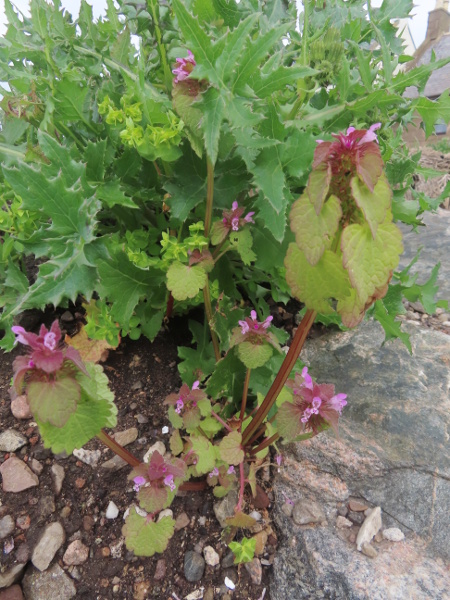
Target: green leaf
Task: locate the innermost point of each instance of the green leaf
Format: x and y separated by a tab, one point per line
425	293
227	371
242	241
95	410
432	111
213	106
145	537
378	99
254	355
205	453
314	232
243	551
185	281
369	261
241	520
53	401
176	443
72	101
373	204
235	42
417	77
230	448
278	79
121	47
391	327
112	194
394	9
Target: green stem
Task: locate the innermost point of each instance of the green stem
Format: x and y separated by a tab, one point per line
244	395
118	449
209	316
209	196
305	55
161	47
282	375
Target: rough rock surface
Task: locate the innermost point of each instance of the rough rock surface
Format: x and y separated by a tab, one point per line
53	584
48	545
17	476
393	453
11	440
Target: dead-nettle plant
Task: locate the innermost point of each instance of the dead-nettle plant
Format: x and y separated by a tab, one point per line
156	184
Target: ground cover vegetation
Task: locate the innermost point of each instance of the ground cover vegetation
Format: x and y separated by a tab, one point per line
175	155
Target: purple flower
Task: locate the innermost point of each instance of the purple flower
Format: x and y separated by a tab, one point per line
278	459
253	325
184	67
180	405
138	482
169	482
214	473
233	220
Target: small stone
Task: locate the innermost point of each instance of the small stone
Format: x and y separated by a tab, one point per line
8	545
137	385
58	475
141	590
371	526
46	506
369	550
306	512
225	508
356	517
48	545
254	569
342	523
116	549
211	557
182	521
23	522
287	509
35	466
17	476
76	554
54	584
357	506
88	522
105	552
11	575
261	541
165	430
80	482
230	584
6	526
160	571
167	512
128	436
255	515
208	594
88	457
67	317
12	593
114	464
141	419
195	595
20	407
393	534
112	512
227	561
194	566
65	511
23	553
159	446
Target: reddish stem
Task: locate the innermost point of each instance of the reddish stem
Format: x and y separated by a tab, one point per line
118	449
241	488
221	421
169	308
244	396
265	443
193	486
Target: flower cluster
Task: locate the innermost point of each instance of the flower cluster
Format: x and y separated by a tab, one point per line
232	220
183	67
251	324
187	398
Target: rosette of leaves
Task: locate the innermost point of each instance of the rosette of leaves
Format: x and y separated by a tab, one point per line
187	407
253	342
347	245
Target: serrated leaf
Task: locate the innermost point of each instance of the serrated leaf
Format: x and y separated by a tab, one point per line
235	42
230	448
111	194
416	77
227	371
254	355
176	443
373	204
213	108
243	551
241	520
185	281
154	498
145	537
53	401
392	328
433	110
242	241
425	293
205	453
370	261
278	79
314	232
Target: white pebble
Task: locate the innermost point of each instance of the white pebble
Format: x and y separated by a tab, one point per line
167	512
165	429
393	534
211	557
112	511
255	515
230	585
157	446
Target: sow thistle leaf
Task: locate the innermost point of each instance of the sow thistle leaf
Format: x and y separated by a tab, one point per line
373	204
213	107
314	232
242	520
369	261
431	111
242	241
185	281
53	401
230	448
254	355
392	328
144	537
278	79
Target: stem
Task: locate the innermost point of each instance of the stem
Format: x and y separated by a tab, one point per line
221	421
282	375
209	316
244	395
169	306
258	434
161	47
306	4
265	443
209	195
118	449
241	488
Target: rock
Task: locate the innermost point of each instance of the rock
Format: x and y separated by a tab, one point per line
88	457
209	594
128	436
358	517
48	545
76	554
260	542
287	508
58	475
23	553
306	512
114	464
369	550
211	557
12	593
227	561
254	569
20	407
393	534
159	446
160	570
342	523
141	590
167	512
112	512
255	515
356	506
23	522
11	440
10	576
182	521
7	526
141	419
225	508
194	566
35	466
53	584
370	527
46	506
17	476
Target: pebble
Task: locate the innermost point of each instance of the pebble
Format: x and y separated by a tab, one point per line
58	475
114	464
254	569
225	508
261	541
393	534
23	553
35	466
371	526
11	575
209	594
54	584
342	522
230	584
287	509
195	595
227	561
211	557
182	521
194	566
369	550
17	476
6	526
20	407
88	522
46	506
116	549
76	554
11	440
128	436
160	571
255	515
306	512
159	446
8	545
48	545
112	512
167	512
65	511
12	593
357	506
141	419
165	430
356	517
23	522
141	590
88	457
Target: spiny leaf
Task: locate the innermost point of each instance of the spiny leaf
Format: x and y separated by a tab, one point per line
146	537
213	106
235	42
391	327
431	111
278	79
230	448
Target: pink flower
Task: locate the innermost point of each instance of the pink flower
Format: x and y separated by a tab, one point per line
168	481
231	470
214	473
252	324
233	220
159	472
184	67
138	483
278	459
186	398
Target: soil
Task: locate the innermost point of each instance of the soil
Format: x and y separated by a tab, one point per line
141	375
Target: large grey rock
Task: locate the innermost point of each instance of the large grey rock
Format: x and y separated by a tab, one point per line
393	453
48	545
11	440
53	584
